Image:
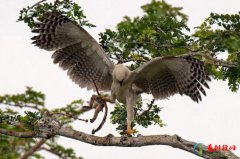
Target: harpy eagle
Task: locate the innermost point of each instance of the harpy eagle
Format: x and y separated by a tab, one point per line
85	61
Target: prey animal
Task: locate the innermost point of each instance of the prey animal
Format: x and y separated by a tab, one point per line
87	63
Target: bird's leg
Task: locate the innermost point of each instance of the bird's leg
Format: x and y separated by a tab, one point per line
130	117
129	130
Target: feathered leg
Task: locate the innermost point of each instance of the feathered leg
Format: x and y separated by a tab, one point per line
130	114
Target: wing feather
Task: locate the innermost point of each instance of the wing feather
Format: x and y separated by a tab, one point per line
166	76
75	51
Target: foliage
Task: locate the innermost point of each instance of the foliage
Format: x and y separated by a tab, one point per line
61	151
30	15
143	117
148	117
161	31
71	109
131	37
29	97
13	147
26	121
219	34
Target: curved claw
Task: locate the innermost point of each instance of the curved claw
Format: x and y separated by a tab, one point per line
129	131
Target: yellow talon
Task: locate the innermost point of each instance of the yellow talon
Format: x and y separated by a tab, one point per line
129	131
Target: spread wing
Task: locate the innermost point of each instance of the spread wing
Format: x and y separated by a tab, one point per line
167	76
75	51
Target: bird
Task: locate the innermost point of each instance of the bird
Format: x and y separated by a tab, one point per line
87	64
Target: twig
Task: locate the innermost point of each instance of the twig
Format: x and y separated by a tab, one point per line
121	60
215	61
158	29
52	151
55	3
23	106
149	107
37	4
33	149
71	116
219	62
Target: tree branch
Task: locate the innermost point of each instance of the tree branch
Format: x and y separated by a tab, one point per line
36	107
214	61
33	149
29	134
55	3
174	141
52	151
37	4
71	116
149	107
219	62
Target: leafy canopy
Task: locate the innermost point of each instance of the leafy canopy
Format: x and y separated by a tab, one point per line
161	31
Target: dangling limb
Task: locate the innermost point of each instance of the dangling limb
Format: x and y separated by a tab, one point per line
92	104
103	120
108	98
98	108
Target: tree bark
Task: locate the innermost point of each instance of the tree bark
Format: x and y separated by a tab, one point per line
17	134
174	141
33	149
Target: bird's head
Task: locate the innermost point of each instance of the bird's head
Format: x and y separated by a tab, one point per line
121	74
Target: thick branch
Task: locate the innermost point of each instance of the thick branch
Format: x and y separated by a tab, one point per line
109	140
33	149
174	141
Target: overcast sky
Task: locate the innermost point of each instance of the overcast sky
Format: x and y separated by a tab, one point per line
216	120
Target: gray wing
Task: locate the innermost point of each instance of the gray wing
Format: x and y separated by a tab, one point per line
75	51
167	76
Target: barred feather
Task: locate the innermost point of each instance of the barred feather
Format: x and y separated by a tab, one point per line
170	75
85	61
75	51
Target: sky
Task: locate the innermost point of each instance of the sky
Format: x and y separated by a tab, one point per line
216	120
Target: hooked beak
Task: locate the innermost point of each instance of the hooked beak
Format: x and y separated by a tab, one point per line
121	82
